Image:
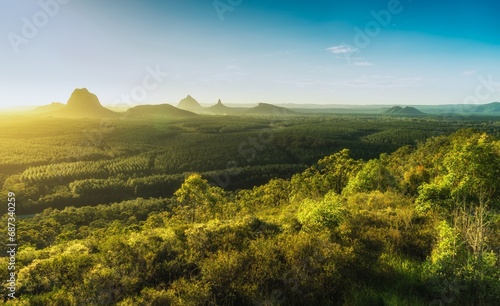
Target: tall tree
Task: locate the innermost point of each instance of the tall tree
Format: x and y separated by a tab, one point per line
197	195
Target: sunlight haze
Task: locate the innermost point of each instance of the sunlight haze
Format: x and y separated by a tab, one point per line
327	52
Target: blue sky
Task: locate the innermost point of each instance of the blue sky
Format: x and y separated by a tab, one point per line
249	51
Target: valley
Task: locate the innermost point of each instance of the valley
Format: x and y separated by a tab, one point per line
160	205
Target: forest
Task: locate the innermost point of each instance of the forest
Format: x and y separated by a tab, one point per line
254	210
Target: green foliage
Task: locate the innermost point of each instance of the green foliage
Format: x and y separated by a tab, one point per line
473	170
275	193
327	213
332	173
337	169
374	175
433	196
47	154
445	254
407	228
96	186
469	176
202	201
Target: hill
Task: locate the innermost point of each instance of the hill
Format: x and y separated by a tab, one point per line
407	111
161	110
190	104
221	109
269	109
54	106
83	104
394	110
489	108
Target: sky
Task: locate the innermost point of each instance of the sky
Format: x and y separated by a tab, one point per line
356	52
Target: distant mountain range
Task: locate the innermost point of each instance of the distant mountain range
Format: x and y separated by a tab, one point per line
84	104
262	109
488	108
190	104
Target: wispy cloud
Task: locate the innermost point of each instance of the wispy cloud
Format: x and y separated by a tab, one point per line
344	52
469	72
361	64
341	49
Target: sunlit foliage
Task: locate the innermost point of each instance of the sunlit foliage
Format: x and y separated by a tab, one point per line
415	226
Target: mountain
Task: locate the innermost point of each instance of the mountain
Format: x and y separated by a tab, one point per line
221	109
54	106
394	110
83	104
412	111
190	104
160	110
489	108
407	111
269	109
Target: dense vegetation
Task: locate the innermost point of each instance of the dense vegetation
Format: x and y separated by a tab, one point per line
393	211
57	163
